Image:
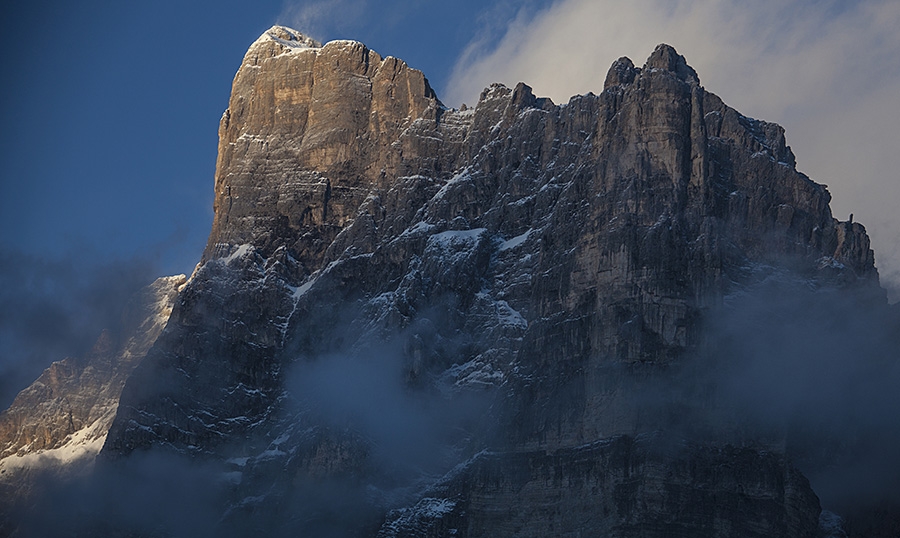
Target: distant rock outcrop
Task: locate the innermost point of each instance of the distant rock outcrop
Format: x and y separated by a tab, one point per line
59	423
77	397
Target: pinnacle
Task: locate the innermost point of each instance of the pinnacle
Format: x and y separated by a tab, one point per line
666	57
621	72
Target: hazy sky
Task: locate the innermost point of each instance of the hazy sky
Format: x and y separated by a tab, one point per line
110	109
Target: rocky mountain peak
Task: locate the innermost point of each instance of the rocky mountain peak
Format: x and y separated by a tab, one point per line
313	120
278	40
622	71
289	37
666	57
454	317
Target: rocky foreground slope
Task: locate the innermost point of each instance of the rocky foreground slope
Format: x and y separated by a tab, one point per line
500	321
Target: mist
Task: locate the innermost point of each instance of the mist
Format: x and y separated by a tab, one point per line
150	493
788	365
823	366
410	430
51	309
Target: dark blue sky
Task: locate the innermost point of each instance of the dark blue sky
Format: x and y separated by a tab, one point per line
110	110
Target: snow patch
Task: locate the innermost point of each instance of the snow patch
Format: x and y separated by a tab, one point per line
474	373
290	39
239	252
271	454
515	241
431	507
418	228
456	237
510	316
827	262
462	175
82	446
300	291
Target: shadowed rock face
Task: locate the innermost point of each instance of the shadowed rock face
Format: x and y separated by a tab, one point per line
536	259
617	487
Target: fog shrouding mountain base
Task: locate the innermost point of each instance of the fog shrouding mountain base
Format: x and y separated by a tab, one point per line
812	370
820	365
791	368
629	315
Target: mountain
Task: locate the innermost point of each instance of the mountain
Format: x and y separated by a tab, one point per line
519	319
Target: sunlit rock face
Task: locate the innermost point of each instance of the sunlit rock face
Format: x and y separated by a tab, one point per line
417	321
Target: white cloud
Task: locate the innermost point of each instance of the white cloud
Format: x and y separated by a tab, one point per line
319	19
828	71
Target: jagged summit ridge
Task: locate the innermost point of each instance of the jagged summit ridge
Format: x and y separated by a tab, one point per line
663	57
666	57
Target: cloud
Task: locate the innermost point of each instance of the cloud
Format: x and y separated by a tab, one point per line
409	429
51	309
155	493
819	368
826	71
788	365
322	18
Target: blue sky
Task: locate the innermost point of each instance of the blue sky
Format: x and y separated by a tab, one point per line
110	113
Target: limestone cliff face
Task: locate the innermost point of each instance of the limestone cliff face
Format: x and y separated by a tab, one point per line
539	254
308	132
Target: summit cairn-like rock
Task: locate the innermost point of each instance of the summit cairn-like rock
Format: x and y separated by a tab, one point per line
621	72
665	57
